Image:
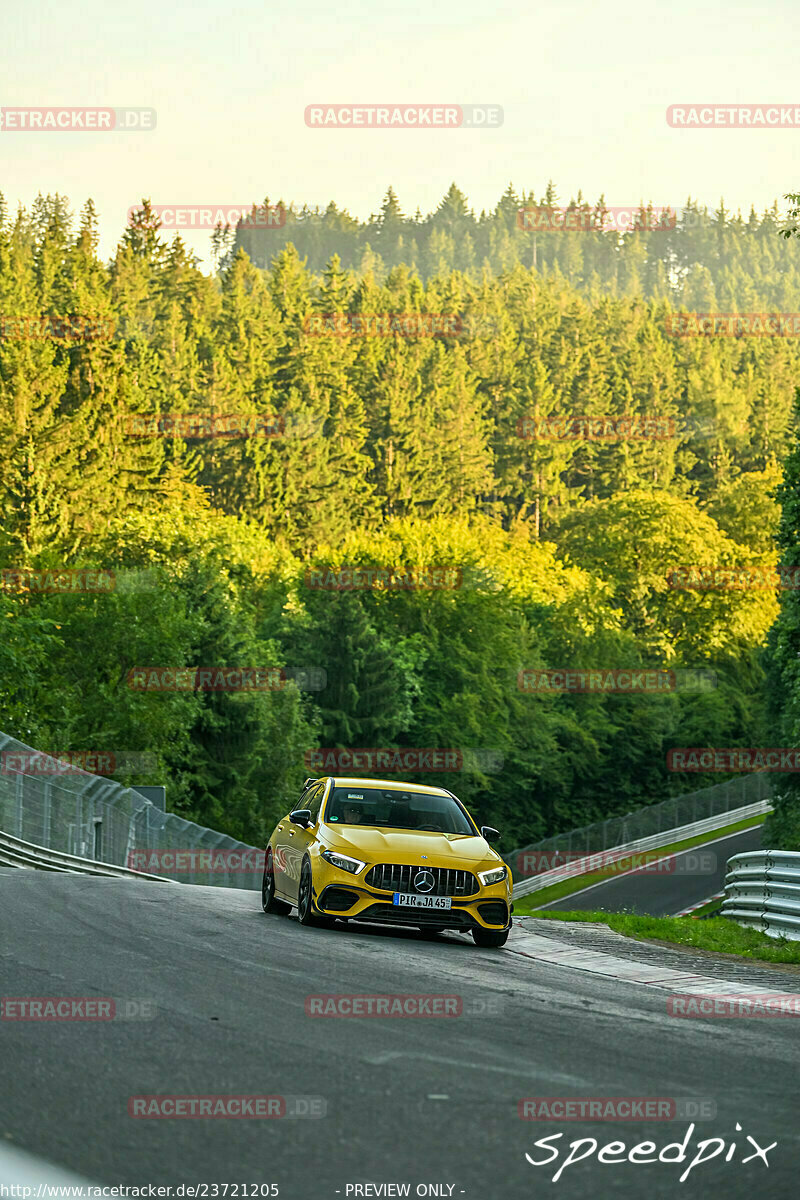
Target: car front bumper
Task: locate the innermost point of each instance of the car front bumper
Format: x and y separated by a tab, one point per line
347	900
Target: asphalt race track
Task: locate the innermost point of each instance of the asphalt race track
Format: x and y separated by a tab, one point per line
417	1101
693	875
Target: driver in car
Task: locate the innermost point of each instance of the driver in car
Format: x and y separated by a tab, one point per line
352	814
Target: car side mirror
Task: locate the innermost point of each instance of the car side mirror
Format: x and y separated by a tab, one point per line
490	834
301	817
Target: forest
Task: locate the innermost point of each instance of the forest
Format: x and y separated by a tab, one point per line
395	465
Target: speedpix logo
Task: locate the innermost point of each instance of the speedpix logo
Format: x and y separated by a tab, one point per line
646	1152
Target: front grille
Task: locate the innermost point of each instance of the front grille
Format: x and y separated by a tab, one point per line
392	877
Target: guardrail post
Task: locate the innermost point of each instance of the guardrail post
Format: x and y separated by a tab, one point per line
78	834
46	813
18	799
131	846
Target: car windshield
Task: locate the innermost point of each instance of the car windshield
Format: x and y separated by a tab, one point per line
389	809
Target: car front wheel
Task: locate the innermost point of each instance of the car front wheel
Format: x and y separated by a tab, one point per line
269	901
306	913
487	938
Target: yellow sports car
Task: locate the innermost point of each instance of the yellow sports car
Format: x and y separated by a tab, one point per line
399	853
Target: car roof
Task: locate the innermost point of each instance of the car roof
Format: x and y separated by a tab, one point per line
393	785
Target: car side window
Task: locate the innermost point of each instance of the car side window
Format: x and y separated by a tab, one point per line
314	801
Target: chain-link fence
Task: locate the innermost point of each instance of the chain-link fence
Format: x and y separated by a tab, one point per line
51	803
654	819
45	801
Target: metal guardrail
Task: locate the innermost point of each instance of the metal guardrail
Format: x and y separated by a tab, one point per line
606	858
652	819
16	853
762	889
85	818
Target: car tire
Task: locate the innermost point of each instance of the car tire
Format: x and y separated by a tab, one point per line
488	938
269	901
306	913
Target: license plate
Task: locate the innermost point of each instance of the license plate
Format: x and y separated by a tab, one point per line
412	900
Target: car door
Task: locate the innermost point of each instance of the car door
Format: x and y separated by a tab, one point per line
296	839
279	858
283	844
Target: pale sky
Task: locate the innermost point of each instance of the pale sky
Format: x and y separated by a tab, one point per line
584	87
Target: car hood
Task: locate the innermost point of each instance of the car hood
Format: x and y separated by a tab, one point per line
409	845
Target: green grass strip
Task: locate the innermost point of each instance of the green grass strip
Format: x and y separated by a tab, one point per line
576	883
717	934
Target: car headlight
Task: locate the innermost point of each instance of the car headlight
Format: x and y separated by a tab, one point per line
494	876
343	861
